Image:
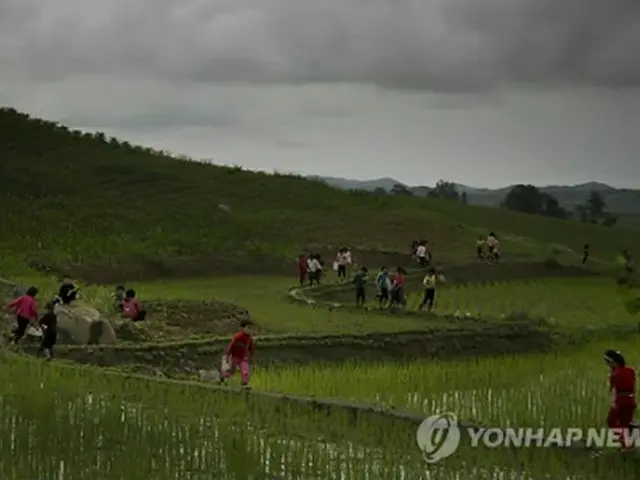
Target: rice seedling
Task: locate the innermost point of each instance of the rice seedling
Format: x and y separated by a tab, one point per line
76	423
569	302
560	389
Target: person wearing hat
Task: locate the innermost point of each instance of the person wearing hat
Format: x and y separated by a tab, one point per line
622	385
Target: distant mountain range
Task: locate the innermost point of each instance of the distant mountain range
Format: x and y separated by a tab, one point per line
620	201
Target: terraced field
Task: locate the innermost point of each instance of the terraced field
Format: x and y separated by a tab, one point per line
518	343
572	302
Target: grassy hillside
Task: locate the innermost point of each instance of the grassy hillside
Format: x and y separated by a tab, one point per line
82	199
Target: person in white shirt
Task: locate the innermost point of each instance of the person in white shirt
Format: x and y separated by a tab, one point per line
342	261
421	253
314	269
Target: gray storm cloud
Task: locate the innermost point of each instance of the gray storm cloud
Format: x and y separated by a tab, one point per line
440	45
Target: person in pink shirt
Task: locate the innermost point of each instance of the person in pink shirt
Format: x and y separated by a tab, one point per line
132	308
26	311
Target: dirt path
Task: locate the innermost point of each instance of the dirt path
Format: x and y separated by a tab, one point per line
469	340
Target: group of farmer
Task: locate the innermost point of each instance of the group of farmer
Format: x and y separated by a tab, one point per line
312	269
390	288
25	308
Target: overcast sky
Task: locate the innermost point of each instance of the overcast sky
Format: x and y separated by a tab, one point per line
483	92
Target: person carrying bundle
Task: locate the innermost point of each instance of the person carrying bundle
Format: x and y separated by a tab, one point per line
238	354
26	311
622	385
49	326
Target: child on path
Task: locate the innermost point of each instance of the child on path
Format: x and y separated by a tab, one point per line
360	281
397	290
348	257
49	325
421	253
383	285
430	283
314	270
240	350
342	263
585	254
302	270
26	311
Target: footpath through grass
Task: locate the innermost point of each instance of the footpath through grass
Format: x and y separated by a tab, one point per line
266	299
589	303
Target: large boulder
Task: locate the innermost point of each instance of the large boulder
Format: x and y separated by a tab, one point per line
81	324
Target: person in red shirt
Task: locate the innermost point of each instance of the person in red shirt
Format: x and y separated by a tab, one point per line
397	288
132	308
302	269
622	385
240	350
26	311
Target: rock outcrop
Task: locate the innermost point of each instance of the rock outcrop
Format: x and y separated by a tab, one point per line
80	324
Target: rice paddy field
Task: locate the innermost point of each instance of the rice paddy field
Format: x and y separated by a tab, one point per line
66	422
567	388
63	421
574	302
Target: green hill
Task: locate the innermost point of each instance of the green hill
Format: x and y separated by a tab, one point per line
73	199
618	200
